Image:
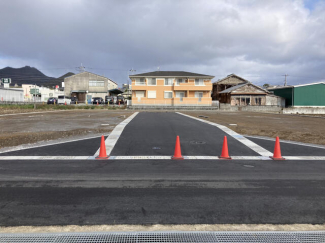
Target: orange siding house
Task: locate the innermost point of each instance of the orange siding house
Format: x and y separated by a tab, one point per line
171	88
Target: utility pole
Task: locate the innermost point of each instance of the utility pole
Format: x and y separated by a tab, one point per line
81	68
285	79
131	71
34	96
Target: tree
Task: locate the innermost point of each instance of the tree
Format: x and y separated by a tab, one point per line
265	86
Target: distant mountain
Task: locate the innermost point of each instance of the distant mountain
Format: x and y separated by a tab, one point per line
57	81
31	75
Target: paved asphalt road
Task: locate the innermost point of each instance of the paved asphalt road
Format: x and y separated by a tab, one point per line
87	147
288	149
164	192
90	192
159	129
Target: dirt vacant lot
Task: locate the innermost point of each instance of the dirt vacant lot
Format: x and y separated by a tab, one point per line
288	127
44	126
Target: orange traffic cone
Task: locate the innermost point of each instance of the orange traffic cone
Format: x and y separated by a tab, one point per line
97	102
224	152
178	153
277	150
102	150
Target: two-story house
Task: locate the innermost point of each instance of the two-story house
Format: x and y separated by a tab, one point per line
171	88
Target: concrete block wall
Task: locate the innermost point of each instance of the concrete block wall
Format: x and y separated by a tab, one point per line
304	110
263	108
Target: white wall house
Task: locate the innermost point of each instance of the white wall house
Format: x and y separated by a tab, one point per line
11	95
42	93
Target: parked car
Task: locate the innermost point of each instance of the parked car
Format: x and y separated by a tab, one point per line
52	101
64	99
109	100
120	100
74	100
98	100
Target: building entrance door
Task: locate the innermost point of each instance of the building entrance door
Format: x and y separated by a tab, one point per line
89	99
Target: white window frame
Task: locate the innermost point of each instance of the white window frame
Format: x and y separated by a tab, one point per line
96	83
138	81
150	93
168	92
150	80
138	91
172	79
201	82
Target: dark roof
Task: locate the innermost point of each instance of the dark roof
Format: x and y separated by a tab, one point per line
239	86
232	88
170	74
115	91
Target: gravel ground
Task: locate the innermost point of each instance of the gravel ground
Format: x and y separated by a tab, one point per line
306	129
44	126
159	227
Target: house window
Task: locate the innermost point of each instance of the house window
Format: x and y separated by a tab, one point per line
198	94
152	94
199	82
168	94
139	94
168	81
245	101
95	83
180	80
140	81
152	81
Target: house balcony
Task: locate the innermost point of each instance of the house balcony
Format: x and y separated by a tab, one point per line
140	86
207	86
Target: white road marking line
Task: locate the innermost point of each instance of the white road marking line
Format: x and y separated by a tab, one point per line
139	157
156	158
258	149
115	134
22	147
287	141
44	157
304	157
214	158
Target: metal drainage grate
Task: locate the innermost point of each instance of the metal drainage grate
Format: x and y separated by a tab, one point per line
170	237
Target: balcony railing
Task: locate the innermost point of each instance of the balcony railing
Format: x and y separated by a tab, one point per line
139	83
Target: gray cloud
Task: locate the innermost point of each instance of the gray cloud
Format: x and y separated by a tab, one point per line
259	40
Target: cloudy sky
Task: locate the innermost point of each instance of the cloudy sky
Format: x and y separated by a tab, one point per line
258	40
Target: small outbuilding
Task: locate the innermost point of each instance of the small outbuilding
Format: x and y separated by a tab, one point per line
305	95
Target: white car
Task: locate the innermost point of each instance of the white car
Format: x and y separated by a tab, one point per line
64	99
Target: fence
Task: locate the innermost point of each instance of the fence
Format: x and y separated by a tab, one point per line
185	101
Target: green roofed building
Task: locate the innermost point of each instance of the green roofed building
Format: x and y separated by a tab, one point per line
311	95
